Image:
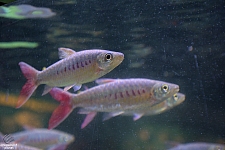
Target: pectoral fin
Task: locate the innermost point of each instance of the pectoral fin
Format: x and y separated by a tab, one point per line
75	87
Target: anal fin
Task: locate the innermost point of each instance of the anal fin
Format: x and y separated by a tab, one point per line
107	116
88	119
137	116
46	89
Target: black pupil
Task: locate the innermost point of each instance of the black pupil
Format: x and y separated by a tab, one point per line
165	87
108	56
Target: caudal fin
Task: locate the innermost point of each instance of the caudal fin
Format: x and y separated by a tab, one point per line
30	86
63	110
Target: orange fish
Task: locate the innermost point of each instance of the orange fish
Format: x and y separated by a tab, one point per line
73	70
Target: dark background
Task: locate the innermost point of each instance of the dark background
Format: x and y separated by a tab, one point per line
156	37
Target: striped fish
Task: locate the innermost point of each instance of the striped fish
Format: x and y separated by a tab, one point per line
73	70
159	108
116	96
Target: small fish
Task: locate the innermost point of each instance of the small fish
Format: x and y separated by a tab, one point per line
16	146
199	146
163	106
43	138
115	96
73	70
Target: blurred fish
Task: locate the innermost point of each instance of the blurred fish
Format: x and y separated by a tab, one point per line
37	105
115	96
25	11
163	106
199	146
73	70
16	146
43	138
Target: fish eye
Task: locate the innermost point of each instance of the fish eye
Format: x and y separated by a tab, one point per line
108	57
175	97
165	88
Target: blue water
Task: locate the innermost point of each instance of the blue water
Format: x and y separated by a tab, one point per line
170	40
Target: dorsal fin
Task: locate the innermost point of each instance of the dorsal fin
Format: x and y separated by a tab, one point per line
65	52
105	80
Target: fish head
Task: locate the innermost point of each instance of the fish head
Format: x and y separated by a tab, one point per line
66	138
175	100
163	90
108	60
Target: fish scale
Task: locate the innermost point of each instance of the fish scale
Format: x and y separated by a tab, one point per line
73	70
124	94
50	76
114	96
42	138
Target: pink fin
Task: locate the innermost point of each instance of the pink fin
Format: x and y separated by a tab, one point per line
88	119
107	116
63	110
30	86
60	95
137	116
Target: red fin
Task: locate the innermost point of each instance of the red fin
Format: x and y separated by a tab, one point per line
59	114
63	110
60	95
30	86
88	119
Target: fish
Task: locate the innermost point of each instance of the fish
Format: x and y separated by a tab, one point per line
73	70
115	96
199	146
43	138
159	108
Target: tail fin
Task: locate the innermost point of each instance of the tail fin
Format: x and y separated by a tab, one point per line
63	110
30	86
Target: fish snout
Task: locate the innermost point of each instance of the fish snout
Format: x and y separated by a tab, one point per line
120	56
176	88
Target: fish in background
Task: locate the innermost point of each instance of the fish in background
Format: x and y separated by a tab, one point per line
16	146
73	70
199	146
43	138
159	108
112	96
25	11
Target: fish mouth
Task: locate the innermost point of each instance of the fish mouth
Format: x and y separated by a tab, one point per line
120	57
176	88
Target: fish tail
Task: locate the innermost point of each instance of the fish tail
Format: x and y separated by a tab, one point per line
63	110
30	86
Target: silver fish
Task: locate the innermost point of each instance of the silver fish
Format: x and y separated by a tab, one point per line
159	108
43	138
199	146
73	70
116	97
